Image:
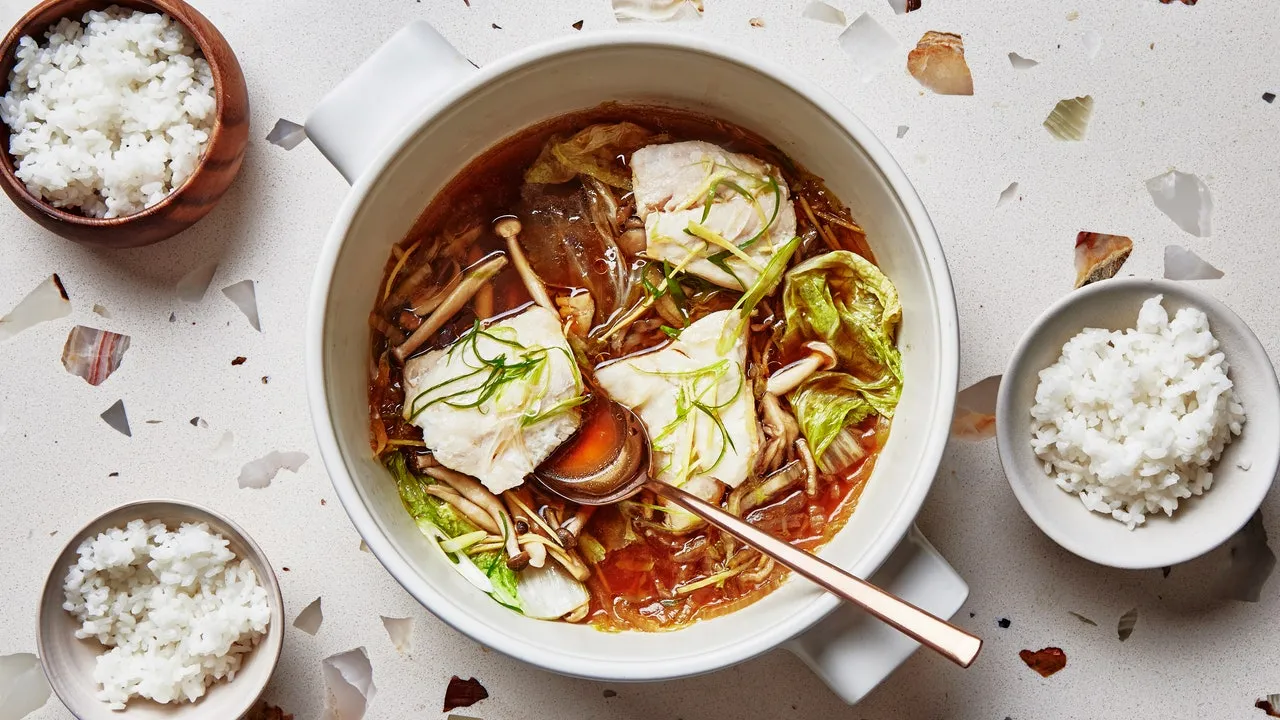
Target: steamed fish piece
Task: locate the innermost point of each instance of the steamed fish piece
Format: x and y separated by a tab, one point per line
697	407
499	400
696	198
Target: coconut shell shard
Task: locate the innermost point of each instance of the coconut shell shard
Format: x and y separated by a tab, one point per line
1099	256
938	63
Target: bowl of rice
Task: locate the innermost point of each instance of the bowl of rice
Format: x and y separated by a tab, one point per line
160	609
123	123
1137	423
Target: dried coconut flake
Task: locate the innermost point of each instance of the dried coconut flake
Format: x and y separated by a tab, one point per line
1182	264
48	301
245	298
1129	620
308	621
117	418
870	46
656	10
1185	199
1100	256
192	286
93	354
822	12
1007	194
975	416
287	134
1021	63
400	631
23	687
938	63
348	685
1069	119
259	473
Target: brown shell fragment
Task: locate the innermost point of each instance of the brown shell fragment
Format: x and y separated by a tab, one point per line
1268	705
1184	2
463	693
938	63
1100	256
1046	661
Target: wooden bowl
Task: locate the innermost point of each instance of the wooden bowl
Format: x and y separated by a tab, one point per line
69	662
213	174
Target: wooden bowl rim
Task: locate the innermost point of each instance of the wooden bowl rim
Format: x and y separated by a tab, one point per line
182	13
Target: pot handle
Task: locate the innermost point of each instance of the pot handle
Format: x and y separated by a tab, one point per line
853	652
359	117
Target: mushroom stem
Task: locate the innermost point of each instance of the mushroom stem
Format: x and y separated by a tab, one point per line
570	529
525	529
473	279
469	510
810	467
471	489
509	229
820	357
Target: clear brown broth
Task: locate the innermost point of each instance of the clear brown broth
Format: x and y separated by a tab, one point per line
633	586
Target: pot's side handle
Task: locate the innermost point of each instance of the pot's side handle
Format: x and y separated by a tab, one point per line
853	652
355	121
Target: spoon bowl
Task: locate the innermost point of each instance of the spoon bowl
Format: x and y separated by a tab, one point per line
609	460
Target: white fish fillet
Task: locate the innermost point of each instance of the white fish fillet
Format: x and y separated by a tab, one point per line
690	450
672	185
495	442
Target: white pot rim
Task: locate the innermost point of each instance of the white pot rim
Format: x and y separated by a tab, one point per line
624	669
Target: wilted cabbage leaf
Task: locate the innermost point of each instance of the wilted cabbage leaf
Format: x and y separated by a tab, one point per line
825	404
938	63
593	151
843	299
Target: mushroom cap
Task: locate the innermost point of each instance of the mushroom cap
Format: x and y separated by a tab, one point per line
824	350
508	226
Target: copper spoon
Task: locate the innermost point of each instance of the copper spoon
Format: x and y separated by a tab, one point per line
608	460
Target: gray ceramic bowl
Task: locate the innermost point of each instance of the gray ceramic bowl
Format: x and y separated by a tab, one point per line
68	662
1200	523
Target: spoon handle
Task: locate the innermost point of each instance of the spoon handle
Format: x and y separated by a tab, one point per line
953	643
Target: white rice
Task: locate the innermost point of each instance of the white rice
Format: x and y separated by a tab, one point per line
176	608
111	113
1132	421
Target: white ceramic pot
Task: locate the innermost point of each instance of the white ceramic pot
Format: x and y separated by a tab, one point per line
413	115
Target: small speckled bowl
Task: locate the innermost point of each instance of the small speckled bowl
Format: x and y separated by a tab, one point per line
1200	523
69	662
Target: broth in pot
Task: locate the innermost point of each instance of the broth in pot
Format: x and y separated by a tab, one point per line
685	268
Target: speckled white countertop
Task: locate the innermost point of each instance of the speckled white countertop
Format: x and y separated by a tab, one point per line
1175	86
